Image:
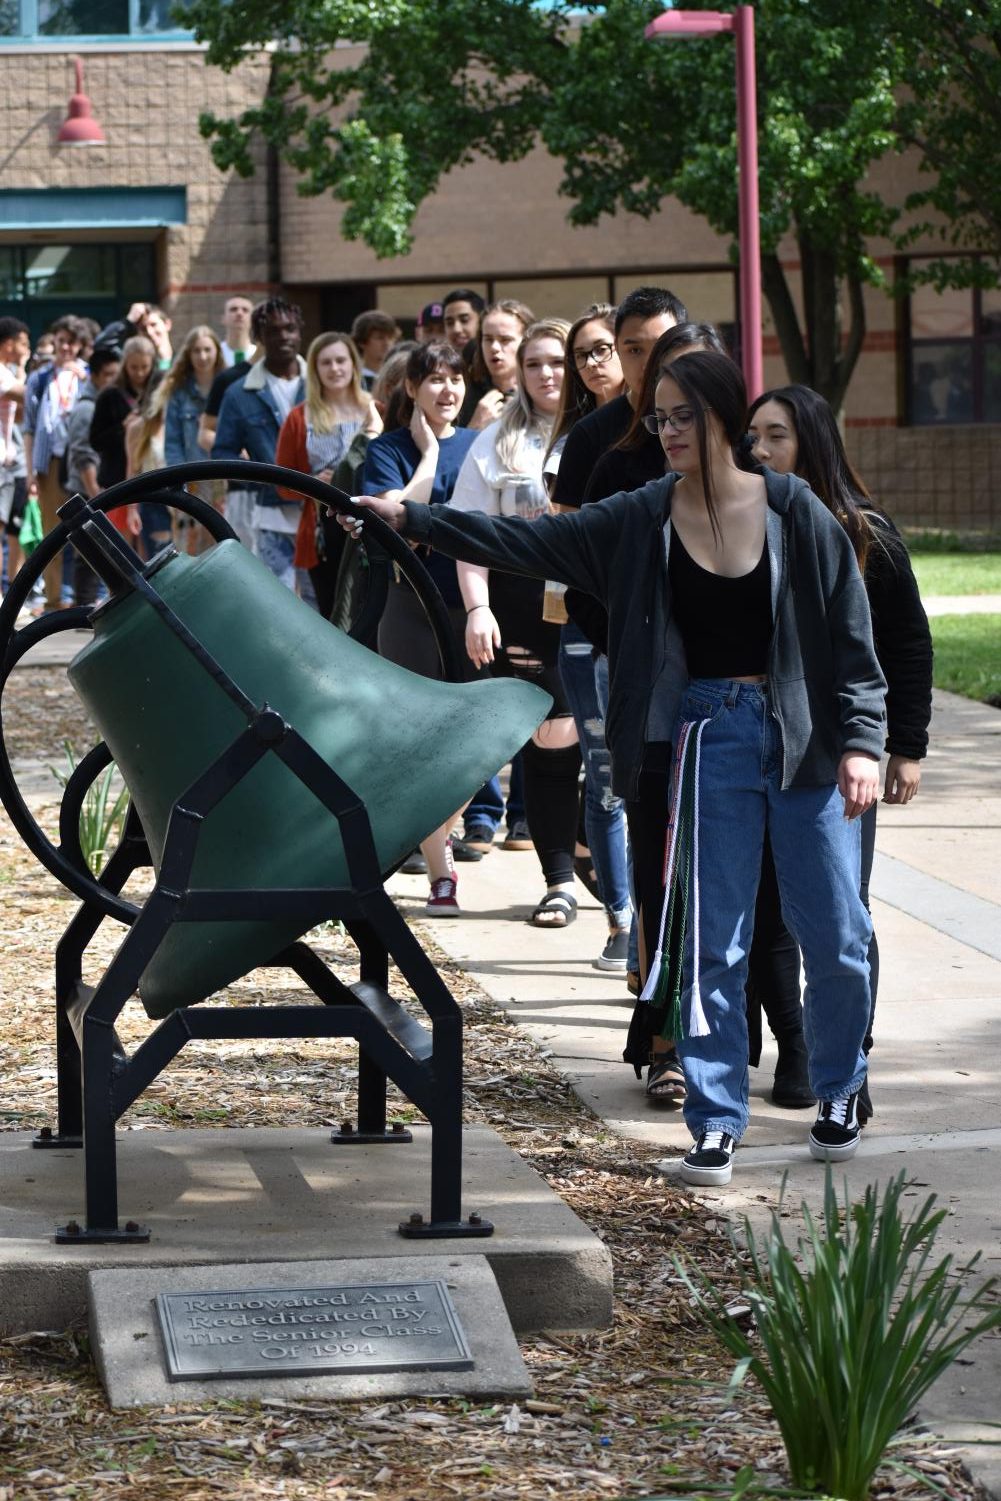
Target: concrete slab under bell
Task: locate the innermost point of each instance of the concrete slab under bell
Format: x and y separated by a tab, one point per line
272	1194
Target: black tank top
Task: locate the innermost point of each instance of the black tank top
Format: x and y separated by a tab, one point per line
725	623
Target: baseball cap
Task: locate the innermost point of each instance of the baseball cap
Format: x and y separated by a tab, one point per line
432	313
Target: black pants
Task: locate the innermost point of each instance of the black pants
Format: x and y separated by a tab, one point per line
530	651
646	816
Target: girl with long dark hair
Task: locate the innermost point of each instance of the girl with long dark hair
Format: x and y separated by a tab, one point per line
795	432
740	635
593	377
420	460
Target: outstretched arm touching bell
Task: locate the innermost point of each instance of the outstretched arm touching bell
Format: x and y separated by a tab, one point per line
392	512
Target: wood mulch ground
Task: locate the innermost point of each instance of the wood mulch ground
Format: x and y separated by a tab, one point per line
640	1409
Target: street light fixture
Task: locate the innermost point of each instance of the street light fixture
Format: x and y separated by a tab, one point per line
685	23
80	128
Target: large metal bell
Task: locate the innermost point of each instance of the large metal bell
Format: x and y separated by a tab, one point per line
413	750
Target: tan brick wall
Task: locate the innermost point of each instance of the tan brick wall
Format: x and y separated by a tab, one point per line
148	102
489	220
948	477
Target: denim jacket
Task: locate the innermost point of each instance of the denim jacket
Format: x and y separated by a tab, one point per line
180	434
249	421
826	690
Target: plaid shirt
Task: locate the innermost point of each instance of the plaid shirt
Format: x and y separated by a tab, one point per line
45	417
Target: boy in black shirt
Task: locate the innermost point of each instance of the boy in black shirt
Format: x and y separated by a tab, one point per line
640	320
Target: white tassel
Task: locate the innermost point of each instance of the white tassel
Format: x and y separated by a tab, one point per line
650	988
698	1026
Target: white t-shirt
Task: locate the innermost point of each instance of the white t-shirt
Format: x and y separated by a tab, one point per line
284	391
484	485
8	411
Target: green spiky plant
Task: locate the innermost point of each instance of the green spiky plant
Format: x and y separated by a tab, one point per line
102	816
853	1326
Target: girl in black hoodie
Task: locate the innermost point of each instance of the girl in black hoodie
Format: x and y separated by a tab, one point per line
795	432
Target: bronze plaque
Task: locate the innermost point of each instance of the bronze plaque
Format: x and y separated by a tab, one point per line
311	1331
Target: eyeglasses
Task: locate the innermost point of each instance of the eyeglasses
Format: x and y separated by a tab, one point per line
679	421
600	354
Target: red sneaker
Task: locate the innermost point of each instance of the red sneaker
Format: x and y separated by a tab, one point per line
442	901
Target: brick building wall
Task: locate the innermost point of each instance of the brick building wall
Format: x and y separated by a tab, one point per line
147	99
946	478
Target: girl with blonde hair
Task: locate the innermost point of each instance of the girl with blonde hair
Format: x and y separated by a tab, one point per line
314	438
181	401
502	476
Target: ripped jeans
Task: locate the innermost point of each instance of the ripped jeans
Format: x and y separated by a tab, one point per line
604	815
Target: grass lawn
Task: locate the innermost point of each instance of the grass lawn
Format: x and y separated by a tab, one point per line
968	655
958	572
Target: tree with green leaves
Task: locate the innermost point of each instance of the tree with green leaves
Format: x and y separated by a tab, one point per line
633	122
951	113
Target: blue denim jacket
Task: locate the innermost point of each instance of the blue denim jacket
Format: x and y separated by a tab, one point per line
184	411
249	421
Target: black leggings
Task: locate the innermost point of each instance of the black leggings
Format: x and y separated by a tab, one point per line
647	816
530	651
552	795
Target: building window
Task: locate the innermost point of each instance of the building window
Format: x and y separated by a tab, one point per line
53	20
954	356
40	282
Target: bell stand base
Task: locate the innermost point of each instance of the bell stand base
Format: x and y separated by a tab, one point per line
349	1136
418	1228
47	1139
72	1234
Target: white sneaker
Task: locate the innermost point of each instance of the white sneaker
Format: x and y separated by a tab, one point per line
710	1161
835	1134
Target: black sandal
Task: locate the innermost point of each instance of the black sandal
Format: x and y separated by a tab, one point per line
562	905
665	1080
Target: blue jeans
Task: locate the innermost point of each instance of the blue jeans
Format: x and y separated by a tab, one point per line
487	806
604	816
817	858
276	551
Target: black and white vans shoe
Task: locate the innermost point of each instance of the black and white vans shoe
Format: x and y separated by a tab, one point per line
710	1161
835	1134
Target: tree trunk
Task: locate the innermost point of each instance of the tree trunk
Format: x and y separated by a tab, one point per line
814	354
783	309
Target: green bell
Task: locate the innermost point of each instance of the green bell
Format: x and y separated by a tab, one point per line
414	750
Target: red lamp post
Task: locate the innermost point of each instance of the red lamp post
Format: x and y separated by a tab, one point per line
683	23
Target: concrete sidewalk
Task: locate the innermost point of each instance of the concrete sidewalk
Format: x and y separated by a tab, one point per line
936	1069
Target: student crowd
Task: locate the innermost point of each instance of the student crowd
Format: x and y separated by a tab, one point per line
728	626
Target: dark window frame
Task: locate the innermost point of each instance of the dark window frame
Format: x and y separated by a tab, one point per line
27	28
38	311
976	344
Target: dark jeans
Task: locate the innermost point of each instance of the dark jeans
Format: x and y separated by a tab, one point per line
487	807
